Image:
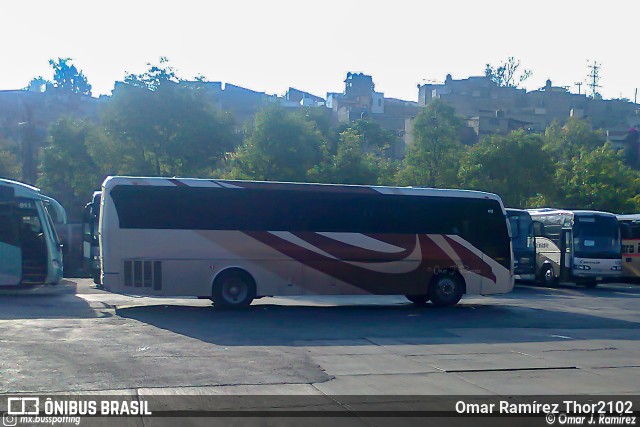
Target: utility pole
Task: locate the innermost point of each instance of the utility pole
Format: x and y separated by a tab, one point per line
579	84
29	173
594	79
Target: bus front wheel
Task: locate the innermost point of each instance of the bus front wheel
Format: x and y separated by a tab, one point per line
547	277
590	284
233	289
446	290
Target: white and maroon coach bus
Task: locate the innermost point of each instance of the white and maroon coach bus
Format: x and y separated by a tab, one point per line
234	241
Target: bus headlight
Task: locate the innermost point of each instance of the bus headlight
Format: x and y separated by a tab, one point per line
582	267
616	268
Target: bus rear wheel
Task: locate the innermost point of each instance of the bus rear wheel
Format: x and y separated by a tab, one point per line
233	289
419	300
446	290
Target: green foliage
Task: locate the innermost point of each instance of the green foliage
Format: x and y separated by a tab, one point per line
9	165
279	146
68	78
69	173
155	76
507	73
375	138
588	173
433	159
350	165
596	179
163	128
564	142
513	166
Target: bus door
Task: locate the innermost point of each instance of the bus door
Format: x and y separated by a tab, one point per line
10	251
566	254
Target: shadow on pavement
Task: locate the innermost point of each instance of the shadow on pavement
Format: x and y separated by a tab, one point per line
569	290
46	302
261	325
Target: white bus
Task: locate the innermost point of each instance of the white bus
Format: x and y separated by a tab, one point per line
233	241
30	251
576	246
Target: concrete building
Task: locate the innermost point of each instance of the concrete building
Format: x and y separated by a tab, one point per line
361	101
489	108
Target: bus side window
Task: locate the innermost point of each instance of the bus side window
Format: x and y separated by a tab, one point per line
8	230
538	229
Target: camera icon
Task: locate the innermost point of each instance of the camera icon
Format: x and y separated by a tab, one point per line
9	420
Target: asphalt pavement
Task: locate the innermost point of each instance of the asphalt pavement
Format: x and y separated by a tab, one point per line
76	338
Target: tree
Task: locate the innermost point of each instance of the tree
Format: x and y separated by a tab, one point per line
69	173
432	160
68	78
375	138
38	84
598	179
9	164
563	142
588	174
513	166
350	165
155	76
279	146
508	73
165	128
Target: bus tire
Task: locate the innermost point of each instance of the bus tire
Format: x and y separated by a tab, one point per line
547	278
590	284
418	300
233	289
446	290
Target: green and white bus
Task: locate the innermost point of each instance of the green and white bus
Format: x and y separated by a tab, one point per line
578	246
30	251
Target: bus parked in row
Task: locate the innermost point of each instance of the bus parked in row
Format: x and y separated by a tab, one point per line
90	242
630	234
576	246
30	250
234	241
524	246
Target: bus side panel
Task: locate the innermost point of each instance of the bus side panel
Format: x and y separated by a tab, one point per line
547	252
305	263
10	264
10	251
631	258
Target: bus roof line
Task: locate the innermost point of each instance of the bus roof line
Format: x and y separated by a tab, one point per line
114	180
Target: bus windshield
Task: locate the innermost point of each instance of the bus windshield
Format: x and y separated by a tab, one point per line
521	231
596	237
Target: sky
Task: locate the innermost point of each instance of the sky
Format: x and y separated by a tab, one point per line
271	45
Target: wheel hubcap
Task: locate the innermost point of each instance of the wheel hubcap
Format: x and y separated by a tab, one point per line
446	288
234	291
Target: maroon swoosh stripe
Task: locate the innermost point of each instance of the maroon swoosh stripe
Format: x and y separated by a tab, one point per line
177	182
345	251
472	261
414	282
